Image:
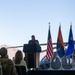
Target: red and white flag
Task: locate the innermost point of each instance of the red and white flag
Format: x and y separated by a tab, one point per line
49	53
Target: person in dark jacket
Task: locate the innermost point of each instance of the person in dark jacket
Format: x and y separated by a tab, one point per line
33	40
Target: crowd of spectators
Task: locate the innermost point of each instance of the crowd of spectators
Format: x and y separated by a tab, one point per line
8	66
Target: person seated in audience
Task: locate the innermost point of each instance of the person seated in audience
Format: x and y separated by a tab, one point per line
8	67
19	61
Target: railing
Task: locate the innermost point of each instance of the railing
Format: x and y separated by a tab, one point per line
65	44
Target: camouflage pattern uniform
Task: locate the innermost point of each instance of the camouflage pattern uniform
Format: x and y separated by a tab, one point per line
8	67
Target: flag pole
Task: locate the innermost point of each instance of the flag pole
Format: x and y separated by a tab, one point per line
50	52
50	59
72	61
61	64
62	57
49	24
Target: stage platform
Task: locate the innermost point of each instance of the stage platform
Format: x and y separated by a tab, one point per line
47	72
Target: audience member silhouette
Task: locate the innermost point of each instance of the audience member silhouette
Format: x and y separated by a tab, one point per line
8	67
19	61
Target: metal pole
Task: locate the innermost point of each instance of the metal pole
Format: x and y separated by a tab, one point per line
61	63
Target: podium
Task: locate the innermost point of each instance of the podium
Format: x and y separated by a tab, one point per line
32	54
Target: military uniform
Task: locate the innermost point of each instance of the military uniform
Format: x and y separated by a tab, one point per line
8	67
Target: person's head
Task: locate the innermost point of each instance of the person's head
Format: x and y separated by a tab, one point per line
33	37
18	57
3	52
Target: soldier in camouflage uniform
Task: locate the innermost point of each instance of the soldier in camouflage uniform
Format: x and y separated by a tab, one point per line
8	67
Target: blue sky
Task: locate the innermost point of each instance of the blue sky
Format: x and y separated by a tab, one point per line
19	19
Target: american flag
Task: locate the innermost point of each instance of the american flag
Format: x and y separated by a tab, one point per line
49	53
